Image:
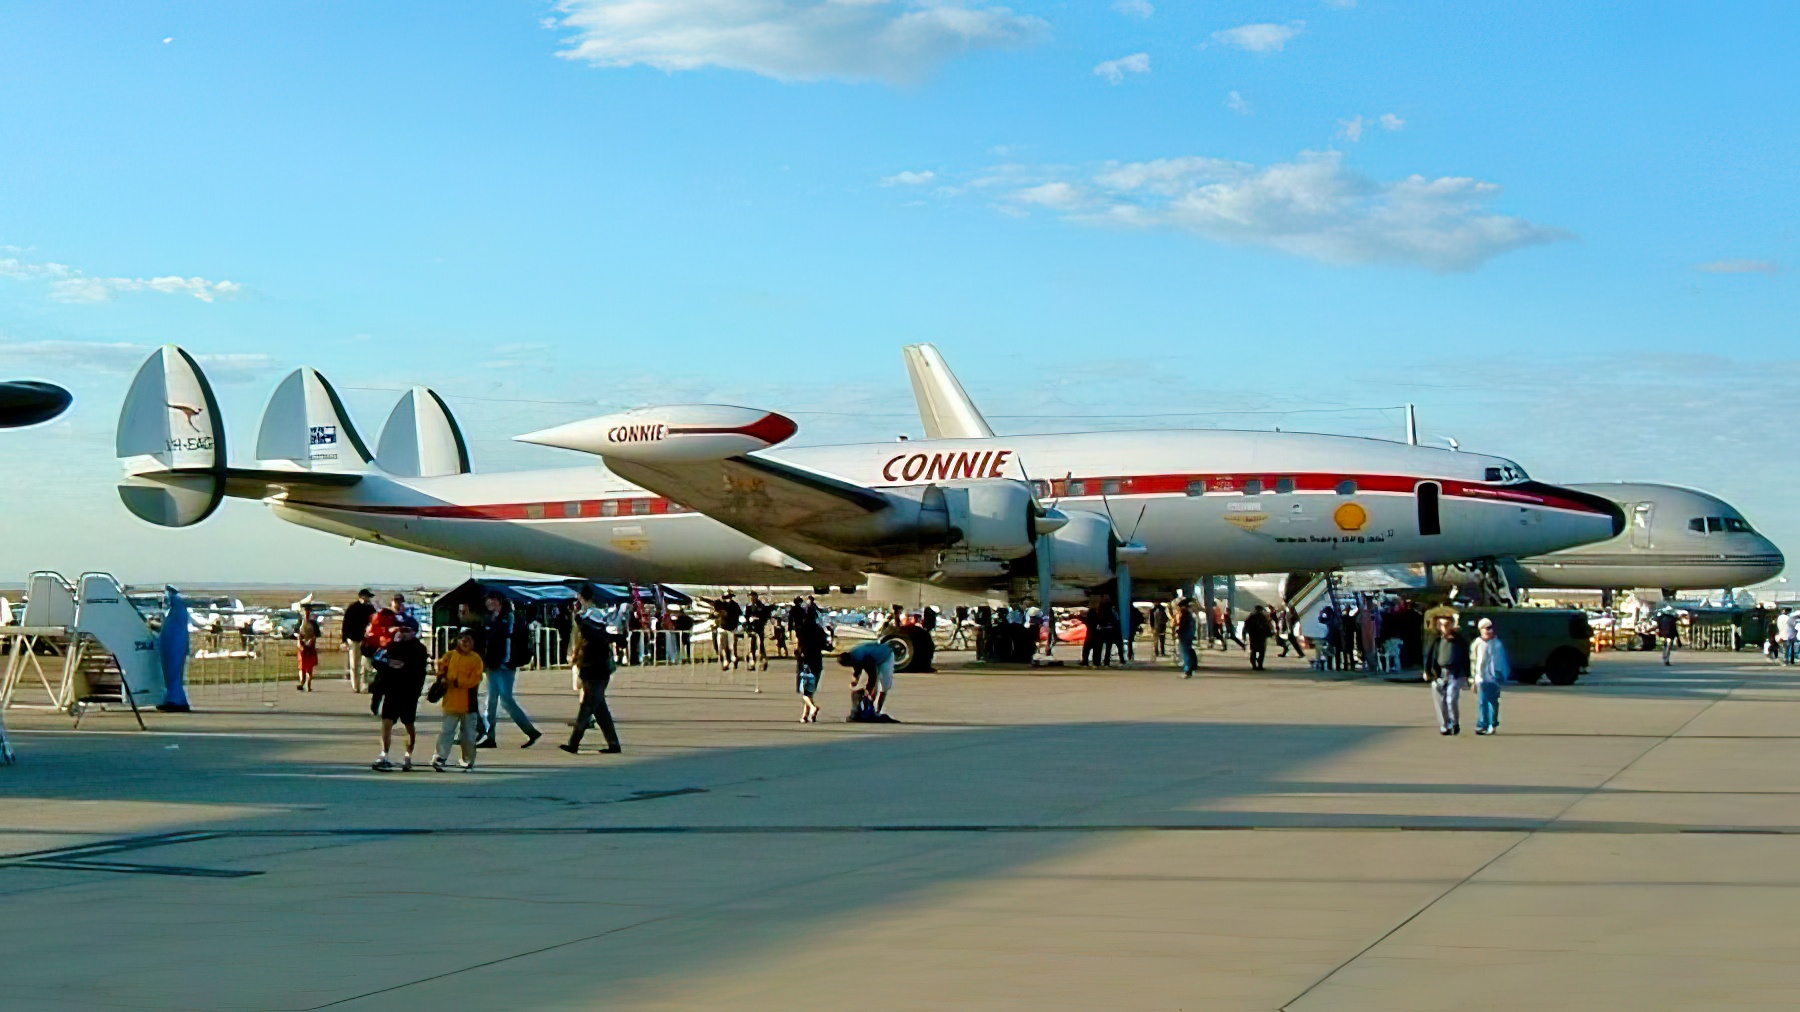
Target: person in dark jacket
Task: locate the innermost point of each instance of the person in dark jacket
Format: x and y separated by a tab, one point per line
1447	669
1258	629
592	656
502	650
404	665
1187	632
809	639
1668	630
356	622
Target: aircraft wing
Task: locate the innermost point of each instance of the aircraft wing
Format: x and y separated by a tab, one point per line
705	457
796	510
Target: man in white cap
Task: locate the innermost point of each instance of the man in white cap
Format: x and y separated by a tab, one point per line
1488	667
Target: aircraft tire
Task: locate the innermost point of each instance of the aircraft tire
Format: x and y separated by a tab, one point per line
1563	667
913	649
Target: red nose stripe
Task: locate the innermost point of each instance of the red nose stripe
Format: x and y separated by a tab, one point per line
770	429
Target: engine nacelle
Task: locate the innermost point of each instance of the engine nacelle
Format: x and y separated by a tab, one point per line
1083	551
995	518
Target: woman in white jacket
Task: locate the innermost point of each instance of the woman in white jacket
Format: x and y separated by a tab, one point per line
1488	667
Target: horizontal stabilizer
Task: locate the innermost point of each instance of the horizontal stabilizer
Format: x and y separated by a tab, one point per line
306	425
421	438
672	434
182	497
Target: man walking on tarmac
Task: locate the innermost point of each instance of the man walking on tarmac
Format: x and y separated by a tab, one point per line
356	623
1258	629
592	655
756	624
1187	630
1447	668
1488	668
1668	630
402	681
505	646
726	615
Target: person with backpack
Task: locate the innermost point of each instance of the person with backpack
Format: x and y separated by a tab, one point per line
506	644
459	679
591	653
403	663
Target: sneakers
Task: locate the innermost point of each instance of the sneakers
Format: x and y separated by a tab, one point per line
569	749
1484	730
487	742
437	763
406	764
381	764
466	767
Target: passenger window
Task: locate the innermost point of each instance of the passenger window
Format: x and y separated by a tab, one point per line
1253	487
1428	508
1737	525
640	507
571	509
1697	524
1196	488
1078	488
1714	525
534	511
609	508
1346	487
1284	485
1040	488
1110	487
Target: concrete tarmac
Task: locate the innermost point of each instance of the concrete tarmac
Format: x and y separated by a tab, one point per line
1072	840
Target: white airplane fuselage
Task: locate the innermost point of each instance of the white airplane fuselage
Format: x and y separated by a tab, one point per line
1186	496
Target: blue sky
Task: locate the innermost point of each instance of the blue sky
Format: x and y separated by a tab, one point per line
1566	231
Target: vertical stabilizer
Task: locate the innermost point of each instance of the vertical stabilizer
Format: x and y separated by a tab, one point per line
170	422
306	426
944	406
421	438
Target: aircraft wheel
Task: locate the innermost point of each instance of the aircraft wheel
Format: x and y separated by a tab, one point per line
1563	667
913	649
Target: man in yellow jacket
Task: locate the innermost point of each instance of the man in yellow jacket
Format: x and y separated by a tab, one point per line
460	671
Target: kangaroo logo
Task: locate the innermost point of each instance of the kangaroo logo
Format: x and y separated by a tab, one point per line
188	414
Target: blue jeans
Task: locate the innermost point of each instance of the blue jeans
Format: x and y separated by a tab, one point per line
1189	659
1489	715
500	690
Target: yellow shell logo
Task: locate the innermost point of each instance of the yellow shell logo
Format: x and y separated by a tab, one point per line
1350	517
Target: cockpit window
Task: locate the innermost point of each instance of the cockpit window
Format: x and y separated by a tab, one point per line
1737	525
1714	525
1697	524
1507	473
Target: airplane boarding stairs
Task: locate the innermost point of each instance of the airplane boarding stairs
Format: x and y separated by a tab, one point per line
79	646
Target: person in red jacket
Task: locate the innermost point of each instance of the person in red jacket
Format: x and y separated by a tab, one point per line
377	638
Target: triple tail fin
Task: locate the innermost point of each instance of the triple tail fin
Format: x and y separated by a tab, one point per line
305	426
421	438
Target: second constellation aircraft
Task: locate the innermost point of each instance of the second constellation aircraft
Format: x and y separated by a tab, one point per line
695	494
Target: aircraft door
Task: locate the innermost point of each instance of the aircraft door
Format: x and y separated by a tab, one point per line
1641	515
1427	494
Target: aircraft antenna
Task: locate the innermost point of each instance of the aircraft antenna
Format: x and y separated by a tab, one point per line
1412	426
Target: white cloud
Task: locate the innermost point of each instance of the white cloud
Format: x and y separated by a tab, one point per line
1352	128
897	41
1134	8
68	284
1261	37
1058	196
1312	207
1740	267
1237	103
909	178
1115	70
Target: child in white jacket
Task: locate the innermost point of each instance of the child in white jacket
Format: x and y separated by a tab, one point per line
1488	667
